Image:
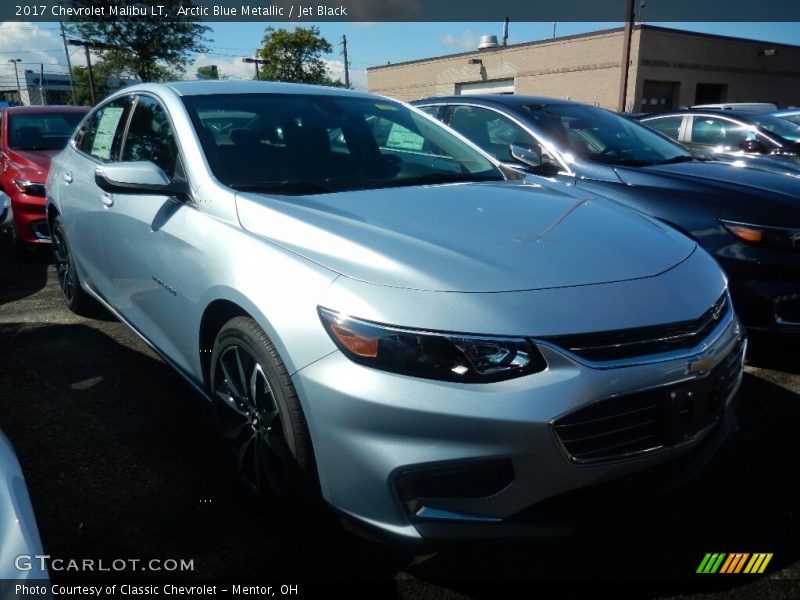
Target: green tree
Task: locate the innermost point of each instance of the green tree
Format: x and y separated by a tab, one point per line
295	56
102	75
150	48
208	72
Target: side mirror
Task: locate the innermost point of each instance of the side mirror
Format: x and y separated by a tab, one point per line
142	178
5	211
753	146
526	155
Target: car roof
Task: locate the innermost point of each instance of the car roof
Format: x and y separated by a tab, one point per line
202	88
58	108
786	111
503	99
743	115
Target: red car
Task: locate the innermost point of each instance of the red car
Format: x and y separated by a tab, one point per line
29	137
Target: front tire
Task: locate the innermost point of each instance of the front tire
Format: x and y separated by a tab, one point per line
259	414
76	299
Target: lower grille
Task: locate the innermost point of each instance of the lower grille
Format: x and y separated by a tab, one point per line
41	229
626	425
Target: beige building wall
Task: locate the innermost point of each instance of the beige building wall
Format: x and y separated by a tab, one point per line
584	68
750	76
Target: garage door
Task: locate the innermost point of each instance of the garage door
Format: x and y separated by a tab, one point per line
499	86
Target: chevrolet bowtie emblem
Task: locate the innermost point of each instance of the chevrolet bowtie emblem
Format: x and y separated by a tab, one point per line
700	366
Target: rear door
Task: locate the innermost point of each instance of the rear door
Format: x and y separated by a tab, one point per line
84	205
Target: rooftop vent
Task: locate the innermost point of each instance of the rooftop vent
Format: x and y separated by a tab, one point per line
487	41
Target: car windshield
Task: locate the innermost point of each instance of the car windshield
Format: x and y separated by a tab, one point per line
316	143
599	135
41	131
788	131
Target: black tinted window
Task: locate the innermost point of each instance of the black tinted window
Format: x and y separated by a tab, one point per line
150	136
44	131
296	143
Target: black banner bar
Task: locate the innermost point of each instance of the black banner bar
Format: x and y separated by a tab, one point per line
399	10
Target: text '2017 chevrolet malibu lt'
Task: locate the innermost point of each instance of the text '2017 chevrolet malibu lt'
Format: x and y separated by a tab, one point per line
381	317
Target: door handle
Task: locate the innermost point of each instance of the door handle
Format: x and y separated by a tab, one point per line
67	177
106	200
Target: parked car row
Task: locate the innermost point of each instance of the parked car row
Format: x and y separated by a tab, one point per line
748	219
29	137
761	140
389	319
441	324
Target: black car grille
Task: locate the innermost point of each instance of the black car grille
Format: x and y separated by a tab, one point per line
629	343
657	418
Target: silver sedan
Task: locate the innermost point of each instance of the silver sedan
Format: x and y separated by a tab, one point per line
383	316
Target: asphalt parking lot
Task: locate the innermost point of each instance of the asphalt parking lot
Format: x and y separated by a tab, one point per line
121	461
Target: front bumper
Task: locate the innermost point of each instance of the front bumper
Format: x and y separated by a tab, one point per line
765	286
387	445
30	219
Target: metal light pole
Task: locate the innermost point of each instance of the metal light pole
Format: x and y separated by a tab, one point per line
16	74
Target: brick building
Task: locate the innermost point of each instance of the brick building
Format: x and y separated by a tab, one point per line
669	68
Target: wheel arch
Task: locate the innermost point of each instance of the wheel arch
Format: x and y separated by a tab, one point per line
216	314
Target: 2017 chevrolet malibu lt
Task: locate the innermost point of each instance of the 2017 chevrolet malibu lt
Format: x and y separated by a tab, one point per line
748	219
29	137
380	316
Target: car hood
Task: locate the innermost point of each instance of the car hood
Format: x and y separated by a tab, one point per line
723	176
473	237
33	161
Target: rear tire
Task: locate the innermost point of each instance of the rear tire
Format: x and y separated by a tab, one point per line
76	299
260	416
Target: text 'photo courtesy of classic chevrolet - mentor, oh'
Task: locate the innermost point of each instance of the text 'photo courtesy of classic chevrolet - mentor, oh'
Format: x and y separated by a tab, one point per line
387	318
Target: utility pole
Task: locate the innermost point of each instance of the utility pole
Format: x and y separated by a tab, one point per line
16	74
42	97
626	56
86	46
256	61
69	62
346	64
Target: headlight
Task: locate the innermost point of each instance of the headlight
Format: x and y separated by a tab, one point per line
30	188
430	354
764	235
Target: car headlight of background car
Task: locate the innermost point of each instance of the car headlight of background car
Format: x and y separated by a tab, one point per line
29	187
433	355
776	237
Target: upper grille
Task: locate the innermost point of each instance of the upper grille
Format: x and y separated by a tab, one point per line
656	418
628	343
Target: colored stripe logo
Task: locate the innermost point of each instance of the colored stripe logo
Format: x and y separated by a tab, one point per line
736	562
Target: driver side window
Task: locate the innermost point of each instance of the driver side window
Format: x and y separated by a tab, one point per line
495	133
150	136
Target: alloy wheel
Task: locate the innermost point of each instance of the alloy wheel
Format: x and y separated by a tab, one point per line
250	419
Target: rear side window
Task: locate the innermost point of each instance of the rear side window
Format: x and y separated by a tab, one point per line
101	134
